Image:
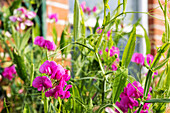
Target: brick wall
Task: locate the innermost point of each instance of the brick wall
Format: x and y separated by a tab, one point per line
156	25
60	7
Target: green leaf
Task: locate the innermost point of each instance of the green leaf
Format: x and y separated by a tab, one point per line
157	101
20	66
96	25
166	82
148	83
32	74
161	64
119	83
148	44
129	48
26	109
24	39
62	42
76	22
54	33
6	105
76	107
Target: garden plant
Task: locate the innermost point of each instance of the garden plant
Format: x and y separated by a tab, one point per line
99	78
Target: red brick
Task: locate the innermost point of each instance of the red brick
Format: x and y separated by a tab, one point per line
60	1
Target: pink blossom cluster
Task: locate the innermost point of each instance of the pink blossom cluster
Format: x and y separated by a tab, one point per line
8	72
113	51
87	9
139	59
53	17
130	96
59	75
40	41
23	18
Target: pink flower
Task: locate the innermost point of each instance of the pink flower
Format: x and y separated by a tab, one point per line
100	52
22	9
39	40
66	93
49	45
108	33
8	72
53	16
58	92
30	14
114	67
58	72
130	96
83	6
48	67
21	91
88	10
149	59
19	19
138	58
13	18
28	23
99	30
113	50
94	9
42	83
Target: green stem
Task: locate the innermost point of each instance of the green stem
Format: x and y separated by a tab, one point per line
45	102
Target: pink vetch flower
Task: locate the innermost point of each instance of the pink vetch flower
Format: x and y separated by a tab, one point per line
130	96
53	16
28	23
22	9
42	83
13	18
83	6
58	72
99	30
48	67
39	40
100	52
49	45
94	8
108	34
113	50
114	67
138	58
88	10
58	92
8	72
19	19
21	91
30	14
149	59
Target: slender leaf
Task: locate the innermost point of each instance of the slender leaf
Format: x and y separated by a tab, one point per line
26	109
148	44
76	22
158	101
54	33
24	39
119	83
129	49
20	66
